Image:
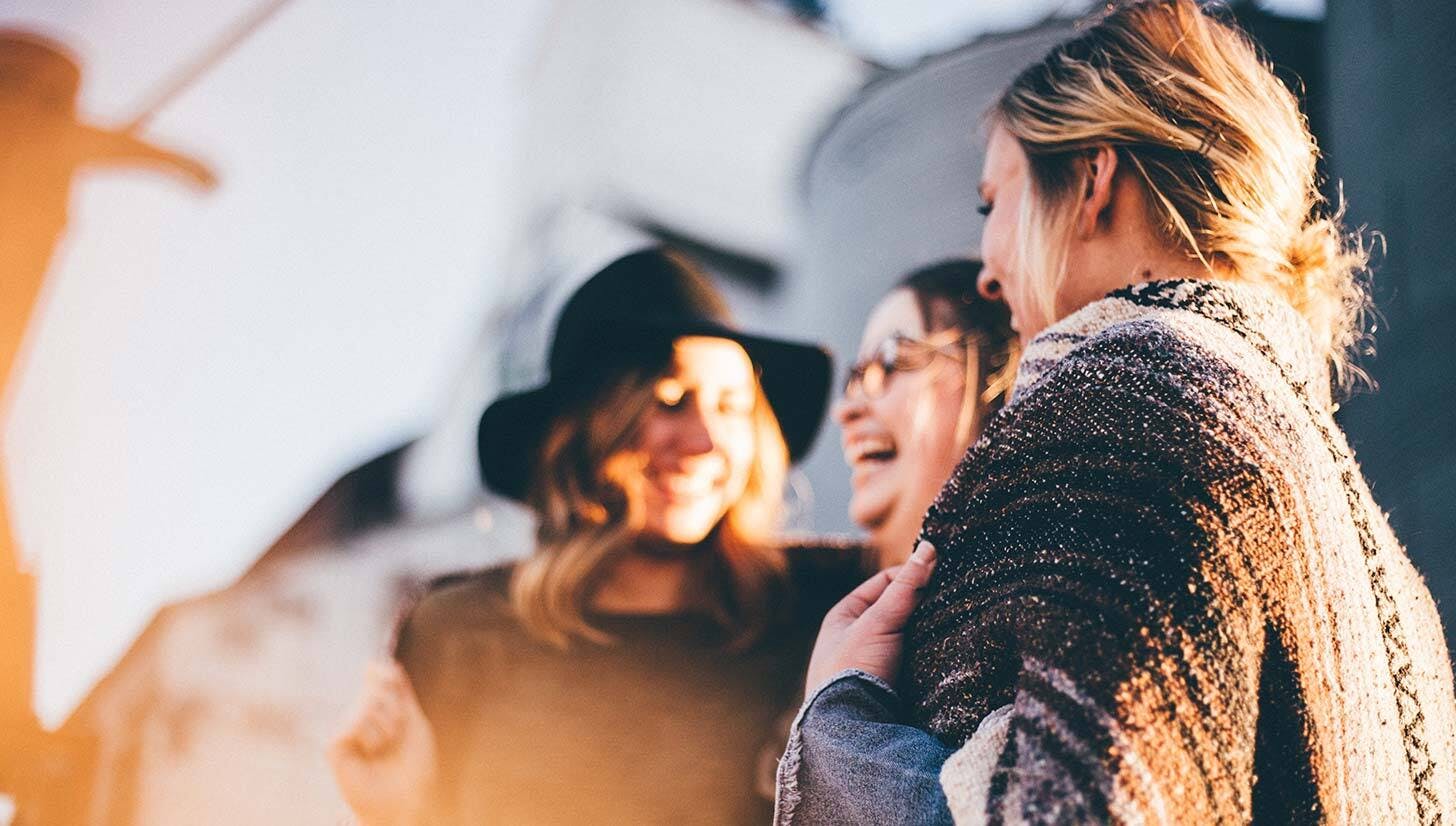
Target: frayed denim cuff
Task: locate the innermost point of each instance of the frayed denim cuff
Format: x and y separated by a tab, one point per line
874	701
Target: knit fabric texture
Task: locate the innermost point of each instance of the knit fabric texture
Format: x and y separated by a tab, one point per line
1163	557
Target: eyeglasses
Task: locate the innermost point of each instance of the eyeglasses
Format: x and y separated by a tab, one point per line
902	354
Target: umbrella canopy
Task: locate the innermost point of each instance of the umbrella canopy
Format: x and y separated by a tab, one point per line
203	365
206	366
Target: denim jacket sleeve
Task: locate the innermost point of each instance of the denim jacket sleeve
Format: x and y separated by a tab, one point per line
850	760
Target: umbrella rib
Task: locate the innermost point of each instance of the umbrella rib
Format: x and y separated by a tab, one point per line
186	75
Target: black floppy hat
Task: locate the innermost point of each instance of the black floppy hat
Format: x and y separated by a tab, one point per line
628	312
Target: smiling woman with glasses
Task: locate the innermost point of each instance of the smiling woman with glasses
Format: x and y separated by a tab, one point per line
935	362
900	353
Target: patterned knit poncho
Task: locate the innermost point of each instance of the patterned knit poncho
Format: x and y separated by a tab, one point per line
1163	571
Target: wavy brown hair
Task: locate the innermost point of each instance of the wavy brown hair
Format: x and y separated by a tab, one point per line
1218	144
587	497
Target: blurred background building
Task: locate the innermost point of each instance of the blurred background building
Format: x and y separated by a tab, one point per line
247	425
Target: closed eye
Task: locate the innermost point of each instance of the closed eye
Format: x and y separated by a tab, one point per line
736	405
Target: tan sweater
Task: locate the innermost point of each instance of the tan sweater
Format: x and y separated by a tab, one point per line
1163	571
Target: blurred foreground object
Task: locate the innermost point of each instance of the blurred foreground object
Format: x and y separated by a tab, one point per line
383	166
42	146
693	124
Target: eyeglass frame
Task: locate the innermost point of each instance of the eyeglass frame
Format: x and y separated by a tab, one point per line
887	358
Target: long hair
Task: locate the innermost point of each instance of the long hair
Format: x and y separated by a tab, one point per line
587	495
1217	143
948	300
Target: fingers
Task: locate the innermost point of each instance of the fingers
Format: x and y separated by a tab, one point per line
379	718
404	692
386	674
901	594
864	631
856	602
917	569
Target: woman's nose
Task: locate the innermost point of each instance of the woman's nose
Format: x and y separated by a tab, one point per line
988	286
849	407
694	436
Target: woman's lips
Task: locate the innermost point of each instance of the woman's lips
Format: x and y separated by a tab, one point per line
678	487
866	458
872	449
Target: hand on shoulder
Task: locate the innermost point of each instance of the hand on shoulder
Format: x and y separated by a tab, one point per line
865	630
384	758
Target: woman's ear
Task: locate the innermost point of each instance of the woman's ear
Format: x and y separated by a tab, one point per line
1097	195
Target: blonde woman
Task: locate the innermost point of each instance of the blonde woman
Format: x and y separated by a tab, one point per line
1158	589
632	668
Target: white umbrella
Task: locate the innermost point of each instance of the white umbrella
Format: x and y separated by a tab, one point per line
204	367
208	366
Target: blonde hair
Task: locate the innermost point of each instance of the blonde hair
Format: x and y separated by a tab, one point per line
1217	143
586	493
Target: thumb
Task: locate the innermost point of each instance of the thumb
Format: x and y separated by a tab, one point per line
893	607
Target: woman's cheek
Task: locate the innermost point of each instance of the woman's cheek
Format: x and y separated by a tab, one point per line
741	461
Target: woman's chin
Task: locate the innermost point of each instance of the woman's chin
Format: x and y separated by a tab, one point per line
681	532
684	522
893	535
870	514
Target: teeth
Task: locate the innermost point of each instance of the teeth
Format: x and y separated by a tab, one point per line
865	448
686	485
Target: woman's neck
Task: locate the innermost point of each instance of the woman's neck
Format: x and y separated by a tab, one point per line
1113	266
1124	249
645	583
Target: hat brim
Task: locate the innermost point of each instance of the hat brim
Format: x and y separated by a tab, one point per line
795	378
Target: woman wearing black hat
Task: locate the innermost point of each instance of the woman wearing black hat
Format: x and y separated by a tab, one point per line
632	668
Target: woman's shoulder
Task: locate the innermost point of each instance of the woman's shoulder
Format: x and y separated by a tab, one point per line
1180	342
1154	345
813	555
1153	396
462	600
455	626
1146	367
826	568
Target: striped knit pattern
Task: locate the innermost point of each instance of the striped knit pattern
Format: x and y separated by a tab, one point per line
1163	558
